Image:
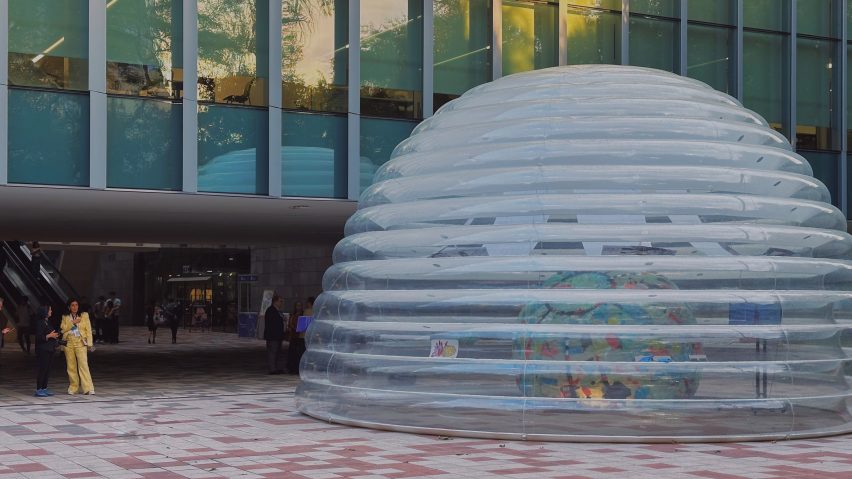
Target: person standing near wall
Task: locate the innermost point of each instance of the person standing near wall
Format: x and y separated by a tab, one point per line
115	317
98	312
5	329
273	333
45	344
77	331
23	317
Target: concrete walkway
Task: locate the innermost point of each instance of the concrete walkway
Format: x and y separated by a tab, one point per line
205	408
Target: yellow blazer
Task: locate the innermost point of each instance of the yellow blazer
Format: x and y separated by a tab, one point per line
85	327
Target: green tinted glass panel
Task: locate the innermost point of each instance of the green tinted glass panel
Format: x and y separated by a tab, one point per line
709	53
826	169
816	91
144	41
653	43
233	51
378	139
848	100
313	155
765	74
664	8
714	11
233	150
462	47
848	182
392	58
314	55
48	138
607	4
593	36
848	16
767	14
530	36
144	144
814	17
48	43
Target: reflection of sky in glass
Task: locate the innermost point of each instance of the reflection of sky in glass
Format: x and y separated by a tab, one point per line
377	13
317	50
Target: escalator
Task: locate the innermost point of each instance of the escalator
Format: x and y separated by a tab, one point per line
46	286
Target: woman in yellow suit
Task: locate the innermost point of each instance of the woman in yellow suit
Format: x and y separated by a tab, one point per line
77	331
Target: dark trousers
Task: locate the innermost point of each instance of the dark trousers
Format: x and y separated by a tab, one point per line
98	329
44	358
174	329
24	336
294	354
273	352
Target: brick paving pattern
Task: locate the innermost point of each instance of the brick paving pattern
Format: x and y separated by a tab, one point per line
205	409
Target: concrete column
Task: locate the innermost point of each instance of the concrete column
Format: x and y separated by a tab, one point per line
190	96
274	98
97	95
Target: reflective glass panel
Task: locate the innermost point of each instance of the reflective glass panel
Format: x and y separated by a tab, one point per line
530	35
378	139
767	14
663	8
144	42
765	76
817	81
314	55
713	11
814	17
848	99
392	58
233	51
233	150
827	170
653	43
709	53
608	4
48	138
462	47
313	155
144	144
848	16
594	36
48	43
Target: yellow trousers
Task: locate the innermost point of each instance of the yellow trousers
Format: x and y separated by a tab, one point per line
76	358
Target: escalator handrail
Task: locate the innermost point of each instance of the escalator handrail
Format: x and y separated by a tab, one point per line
54	278
44	296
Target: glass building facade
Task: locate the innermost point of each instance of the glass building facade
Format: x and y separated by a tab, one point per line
307	98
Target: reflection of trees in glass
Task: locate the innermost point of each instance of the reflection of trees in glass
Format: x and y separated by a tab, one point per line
462	47
392	63
143	147
530	36
305	86
231	48
48	138
140	46
48	43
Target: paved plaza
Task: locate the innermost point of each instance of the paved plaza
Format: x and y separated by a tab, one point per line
205	408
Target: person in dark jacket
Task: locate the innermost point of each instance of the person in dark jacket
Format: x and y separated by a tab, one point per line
273	333
45	342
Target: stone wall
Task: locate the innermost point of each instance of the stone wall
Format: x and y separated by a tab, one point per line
294	272
114	272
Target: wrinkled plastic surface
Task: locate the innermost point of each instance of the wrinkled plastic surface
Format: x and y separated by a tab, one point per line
589	253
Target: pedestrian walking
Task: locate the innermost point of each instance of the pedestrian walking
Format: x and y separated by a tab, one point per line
273	333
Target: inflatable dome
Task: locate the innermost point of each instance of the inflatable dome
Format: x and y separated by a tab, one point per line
589	253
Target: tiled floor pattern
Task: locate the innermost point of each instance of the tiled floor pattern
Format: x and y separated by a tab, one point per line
204	409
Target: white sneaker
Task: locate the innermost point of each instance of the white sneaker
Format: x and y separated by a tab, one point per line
90	393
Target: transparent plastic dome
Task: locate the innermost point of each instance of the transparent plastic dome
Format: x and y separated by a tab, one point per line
589	253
